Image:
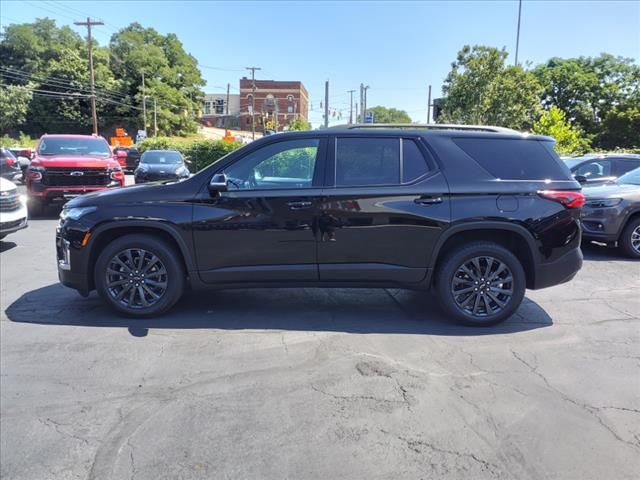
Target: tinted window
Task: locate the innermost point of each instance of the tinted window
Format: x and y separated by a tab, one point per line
74	146
161	157
413	162
513	159
624	165
595	169
289	164
367	161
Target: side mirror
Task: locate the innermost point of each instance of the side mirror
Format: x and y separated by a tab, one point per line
581	179
218	183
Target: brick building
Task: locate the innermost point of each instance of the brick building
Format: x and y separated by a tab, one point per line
274	100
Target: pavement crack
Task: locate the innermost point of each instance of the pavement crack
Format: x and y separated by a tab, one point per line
594	411
359	397
284	344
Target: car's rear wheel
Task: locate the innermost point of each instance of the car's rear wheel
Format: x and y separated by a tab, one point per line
139	276
630	238
480	284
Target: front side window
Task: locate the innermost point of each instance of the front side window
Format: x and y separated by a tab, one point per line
367	161
288	164
595	169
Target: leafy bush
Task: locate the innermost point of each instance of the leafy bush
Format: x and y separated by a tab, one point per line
200	153
22	141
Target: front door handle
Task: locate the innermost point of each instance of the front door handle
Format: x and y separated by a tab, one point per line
428	200
299	205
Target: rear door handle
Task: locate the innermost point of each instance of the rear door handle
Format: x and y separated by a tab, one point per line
428	200
299	205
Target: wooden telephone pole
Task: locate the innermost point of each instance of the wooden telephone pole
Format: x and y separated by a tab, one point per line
253	100
90	23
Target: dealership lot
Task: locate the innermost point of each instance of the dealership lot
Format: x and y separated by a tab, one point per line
316	383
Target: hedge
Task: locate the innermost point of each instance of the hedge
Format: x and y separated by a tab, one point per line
200	153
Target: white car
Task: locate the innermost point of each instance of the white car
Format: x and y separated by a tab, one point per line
13	208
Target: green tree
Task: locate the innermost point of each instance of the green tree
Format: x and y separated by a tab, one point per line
389	115
621	127
569	139
14	105
480	89
172	77
299	124
589	90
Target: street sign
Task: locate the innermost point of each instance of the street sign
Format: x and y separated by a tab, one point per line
368	117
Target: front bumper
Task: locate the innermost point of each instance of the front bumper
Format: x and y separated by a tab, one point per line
71	271
50	193
558	271
602	224
14	220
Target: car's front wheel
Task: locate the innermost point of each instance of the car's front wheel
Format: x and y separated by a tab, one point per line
630	238
480	284
139	275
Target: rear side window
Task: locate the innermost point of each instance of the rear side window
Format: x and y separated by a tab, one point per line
513	159
413	162
367	161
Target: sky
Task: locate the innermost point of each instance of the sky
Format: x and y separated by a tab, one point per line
397	48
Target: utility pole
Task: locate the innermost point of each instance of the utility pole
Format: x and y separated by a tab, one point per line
326	104
357	118
89	23
361	102
228	87
253	100
155	118
144	105
429	106
351	106
364	105
518	34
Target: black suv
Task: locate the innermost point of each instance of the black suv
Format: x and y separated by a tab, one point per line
480	213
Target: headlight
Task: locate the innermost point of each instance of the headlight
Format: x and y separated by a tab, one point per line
604	202
76	213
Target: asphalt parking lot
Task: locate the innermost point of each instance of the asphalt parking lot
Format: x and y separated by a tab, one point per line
316	383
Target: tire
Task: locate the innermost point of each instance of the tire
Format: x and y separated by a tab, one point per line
150	280
492	306
629	240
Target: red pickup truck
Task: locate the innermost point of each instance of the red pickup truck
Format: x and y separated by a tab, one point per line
66	166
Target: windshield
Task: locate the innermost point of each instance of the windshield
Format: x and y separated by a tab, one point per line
162	158
97	147
632	177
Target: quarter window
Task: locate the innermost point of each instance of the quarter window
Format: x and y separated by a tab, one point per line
595	169
289	164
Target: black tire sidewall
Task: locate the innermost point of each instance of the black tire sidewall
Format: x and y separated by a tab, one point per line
452	262
166	254
625	238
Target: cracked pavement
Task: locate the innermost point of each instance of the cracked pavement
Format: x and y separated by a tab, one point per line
316	383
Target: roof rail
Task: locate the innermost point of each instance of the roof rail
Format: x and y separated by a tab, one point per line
429	126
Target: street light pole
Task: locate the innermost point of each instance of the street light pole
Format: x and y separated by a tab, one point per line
351	106
518	34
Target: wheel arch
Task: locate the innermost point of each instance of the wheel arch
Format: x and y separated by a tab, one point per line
107	233
514	238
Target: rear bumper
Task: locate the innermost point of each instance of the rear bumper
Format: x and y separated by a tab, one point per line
559	271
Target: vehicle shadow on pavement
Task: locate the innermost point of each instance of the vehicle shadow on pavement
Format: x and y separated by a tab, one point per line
602	253
306	309
4	246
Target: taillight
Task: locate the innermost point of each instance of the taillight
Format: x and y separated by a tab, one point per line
9	161
569	199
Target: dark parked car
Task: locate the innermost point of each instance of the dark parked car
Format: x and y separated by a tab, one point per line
599	169
612	213
480	213
9	166
161	165
128	159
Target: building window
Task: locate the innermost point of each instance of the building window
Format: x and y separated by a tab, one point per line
219	106
290	98
290	109
250	98
270	101
207	108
